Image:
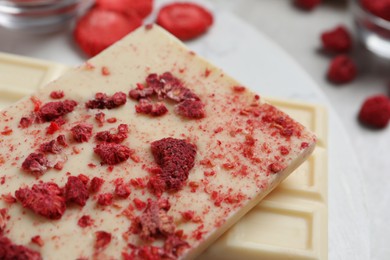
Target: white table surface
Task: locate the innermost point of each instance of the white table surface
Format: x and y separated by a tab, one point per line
298	34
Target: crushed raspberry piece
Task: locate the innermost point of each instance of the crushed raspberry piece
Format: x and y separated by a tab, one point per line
76	191
375	111
52	128
185	20
45	199
139	204
176	158
337	40
105	199
85	221
119	137
342	70
54	110
83	178
37	103
3	220
102	101
307	5
141	7
57	94
380	8
154	222
96	184
122	189
284	150
36	164
50	147
61	140
105	71
112	153
6	131
25	122
175	245
188	215
146	252
145	106
139	93
37	240
275	167
11	251
100	117
239	88
99	28
82	132
8	198
191	109
102	240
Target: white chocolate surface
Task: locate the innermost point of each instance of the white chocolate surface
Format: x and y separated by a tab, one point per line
97	62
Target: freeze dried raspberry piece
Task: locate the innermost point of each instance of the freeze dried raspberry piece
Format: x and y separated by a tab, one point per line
85	221
76	191
154	222
82	132
119	137
112	153
176	158
193	109
185	20
342	69
3	220
375	111
99	28
103	101
105	199
54	110
57	94
145	106
36	164
379	8
11	251
337	40
122	189
141	7
103	239
307	5
50	147
45	199
96	184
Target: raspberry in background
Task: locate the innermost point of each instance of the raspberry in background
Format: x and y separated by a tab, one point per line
185	20
375	111
337	39
307	5
99	28
342	70
380	8
141	7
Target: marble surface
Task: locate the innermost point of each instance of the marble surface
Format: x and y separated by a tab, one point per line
297	32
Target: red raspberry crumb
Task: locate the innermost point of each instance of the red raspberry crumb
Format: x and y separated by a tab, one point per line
119	137
103	101
174	245
307	5
57	94
176	158
191	109
185	20
36	164
100	28
50	147
337	40
85	221
188	215
45	199
76	191
8	198
379	8
139	204
83	178
105	199
52	128
122	189
100	117
54	110
62	140
25	122
375	111
342	70
37	240
154	222
96	184
11	251
112	153
82	132
141	7
275	167
145	106
102	240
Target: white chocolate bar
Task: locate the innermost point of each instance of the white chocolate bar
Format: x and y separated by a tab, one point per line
190	69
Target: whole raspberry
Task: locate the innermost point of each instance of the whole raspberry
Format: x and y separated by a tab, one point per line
342	69
307	4
336	40
375	111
